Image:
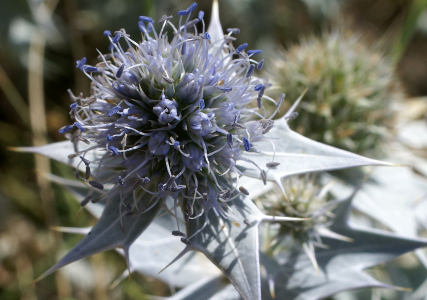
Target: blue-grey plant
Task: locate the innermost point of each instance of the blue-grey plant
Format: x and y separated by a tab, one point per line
290	275
179	125
172	110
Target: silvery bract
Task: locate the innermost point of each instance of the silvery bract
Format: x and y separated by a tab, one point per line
290	274
179	125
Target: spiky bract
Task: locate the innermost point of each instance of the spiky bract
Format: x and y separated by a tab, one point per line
307	199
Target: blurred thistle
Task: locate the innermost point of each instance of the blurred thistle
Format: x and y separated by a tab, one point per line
307	199
351	89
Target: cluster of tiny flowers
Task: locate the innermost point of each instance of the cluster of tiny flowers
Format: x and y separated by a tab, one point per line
305	200
170	118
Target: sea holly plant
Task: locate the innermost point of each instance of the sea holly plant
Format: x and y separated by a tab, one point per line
341	263
176	124
350	81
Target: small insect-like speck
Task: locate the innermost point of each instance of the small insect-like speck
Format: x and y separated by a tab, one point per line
244	191
185	241
272	164
178	233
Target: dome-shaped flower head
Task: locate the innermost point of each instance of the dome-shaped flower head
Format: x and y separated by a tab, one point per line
171	116
306	199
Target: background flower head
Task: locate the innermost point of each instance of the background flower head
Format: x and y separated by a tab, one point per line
352	88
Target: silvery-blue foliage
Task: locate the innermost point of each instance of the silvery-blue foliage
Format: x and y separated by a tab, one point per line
290	274
178	125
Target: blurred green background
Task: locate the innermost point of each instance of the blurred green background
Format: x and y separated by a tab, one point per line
41	40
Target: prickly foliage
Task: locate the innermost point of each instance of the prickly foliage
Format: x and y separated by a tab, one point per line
178	126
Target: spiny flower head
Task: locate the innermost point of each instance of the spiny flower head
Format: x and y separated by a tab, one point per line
169	117
305	199
351	88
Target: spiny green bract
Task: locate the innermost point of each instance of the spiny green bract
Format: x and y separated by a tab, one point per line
306	198
350	90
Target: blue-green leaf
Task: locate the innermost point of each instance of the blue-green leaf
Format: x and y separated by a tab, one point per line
215	28
341	265
390	196
153	249
80	190
107	234
297	155
205	289
60	151
232	246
